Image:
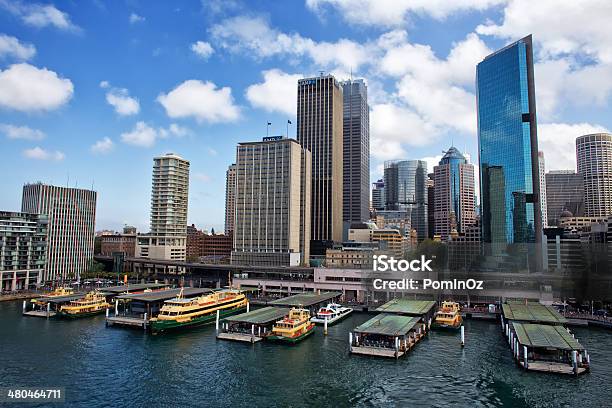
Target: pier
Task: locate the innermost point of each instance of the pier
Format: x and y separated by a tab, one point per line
252	326
387	335
423	309
310	301
48	306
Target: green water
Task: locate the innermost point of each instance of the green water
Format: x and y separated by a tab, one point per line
100	367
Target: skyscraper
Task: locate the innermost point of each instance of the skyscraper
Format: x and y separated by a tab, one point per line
230	198
406	190
564	191
356	158
542	177
378	195
454	203
273	181
507	139
169	198
320	130
594	160
71	216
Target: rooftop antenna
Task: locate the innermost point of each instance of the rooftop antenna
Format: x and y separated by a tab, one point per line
321	73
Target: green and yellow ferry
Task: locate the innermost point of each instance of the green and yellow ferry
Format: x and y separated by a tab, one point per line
92	303
292	328
181	312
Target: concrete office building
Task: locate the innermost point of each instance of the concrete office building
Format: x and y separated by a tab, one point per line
378	195
169	196
273	182
230	198
124	242
564	191
23	250
594	160
71	216
543	199
320	131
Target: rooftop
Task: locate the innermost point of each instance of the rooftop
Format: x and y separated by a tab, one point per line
132	287
305	299
533	313
264	315
388	325
407	307
159	295
545	336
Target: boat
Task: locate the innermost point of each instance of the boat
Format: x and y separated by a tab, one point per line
60	291
181	312
333	313
91	304
294	327
448	316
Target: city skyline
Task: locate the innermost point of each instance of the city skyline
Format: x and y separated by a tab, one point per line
102	112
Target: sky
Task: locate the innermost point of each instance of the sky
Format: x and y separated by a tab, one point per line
91	91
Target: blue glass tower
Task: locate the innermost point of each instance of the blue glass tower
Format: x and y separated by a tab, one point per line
508	145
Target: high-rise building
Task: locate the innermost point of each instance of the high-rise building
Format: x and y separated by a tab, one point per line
508	145
230	198
378	195
320	130
454	202
71	214
431	204
594	160
273	182
23	250
564	191
356	158
169	197
542	177
406	190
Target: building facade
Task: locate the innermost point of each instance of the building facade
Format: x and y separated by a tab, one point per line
378	195
508	146
594	160
356	157
454	199
71	216
230	198
320	131
273	182
23	250
543	195
564	191
406	190
169	197
124	242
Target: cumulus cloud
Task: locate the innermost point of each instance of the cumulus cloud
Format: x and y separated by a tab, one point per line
21	132
120	99
202	49
200	100
135	18
202	177
142	135
12	47
277	92
38	153
558	142
39	15
25	88
103	146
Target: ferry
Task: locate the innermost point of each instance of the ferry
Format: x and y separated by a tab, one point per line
448	316
91	304
333	313
292	328
181	312
57	292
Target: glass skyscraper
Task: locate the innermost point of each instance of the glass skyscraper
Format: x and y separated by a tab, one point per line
508	146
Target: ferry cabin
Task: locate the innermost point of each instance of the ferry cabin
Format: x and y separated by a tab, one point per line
252	326
387	335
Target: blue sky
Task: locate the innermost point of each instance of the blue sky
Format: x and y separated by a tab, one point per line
91	91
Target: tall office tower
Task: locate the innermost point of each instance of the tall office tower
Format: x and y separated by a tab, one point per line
594	159
23	248
273	181
230	198
508	144
454	203
406	190
320	130
378	195
169	197
431	204
356	158
71	229
543	201
564	191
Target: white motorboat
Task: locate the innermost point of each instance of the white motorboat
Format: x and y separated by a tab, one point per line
333	312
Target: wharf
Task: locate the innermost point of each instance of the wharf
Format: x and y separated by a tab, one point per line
423	309
532	313
251	326
311	301
48	306
40	313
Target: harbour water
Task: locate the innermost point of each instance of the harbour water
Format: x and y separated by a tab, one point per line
100	366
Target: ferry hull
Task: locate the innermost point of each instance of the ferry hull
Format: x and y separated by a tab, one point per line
446	326
158	326
292	340
65	315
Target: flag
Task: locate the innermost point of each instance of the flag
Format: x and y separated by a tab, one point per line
269	123
289	122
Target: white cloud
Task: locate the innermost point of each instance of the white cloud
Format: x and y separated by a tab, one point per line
558	142
24	87
202	177
178	130
39	15
142	135
432	161
104	84
212	152
202	49
38	153
200	100
396	12
21	132
12	47
277	93
124	104
103	146
135	18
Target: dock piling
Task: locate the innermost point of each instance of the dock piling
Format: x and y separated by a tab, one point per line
574	362
525	357
217	321
351	339
252	333
116	307
248	307
325	326
107	313
48	310
144	323
462	336
24	306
